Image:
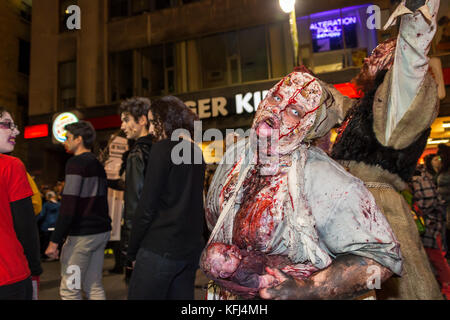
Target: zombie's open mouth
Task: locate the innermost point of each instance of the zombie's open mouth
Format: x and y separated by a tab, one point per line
12	141
267	127
270	122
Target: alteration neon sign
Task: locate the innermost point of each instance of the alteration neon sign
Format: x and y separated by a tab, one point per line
331	28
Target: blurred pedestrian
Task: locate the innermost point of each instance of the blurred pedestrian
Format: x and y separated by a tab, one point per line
167	230
432	206
19	249
58	189
443	184
47	221
83	217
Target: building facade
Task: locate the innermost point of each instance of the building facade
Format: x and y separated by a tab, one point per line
219	56
15	27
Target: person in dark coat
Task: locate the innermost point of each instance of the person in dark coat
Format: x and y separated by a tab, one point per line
166	238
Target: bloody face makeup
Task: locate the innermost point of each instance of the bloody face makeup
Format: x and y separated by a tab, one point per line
287	113
8	133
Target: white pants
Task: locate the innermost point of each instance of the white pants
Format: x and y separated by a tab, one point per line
82	267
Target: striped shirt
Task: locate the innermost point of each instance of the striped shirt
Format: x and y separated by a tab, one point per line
84	205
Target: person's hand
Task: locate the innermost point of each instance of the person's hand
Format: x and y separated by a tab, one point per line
288	288
133	264
267	281
52	250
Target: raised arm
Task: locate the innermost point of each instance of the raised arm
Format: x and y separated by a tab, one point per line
417	29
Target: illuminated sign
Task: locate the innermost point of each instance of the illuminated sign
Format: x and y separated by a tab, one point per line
331	28
245	103
348	89
36	131
59	133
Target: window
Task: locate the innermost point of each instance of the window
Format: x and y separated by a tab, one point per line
64	14
336	39
140	6
188	1
233	57
253	54
162	4
169	63
67	83
214	52
118	8
157	70
152	68
25	10
24	57
125	8
122	75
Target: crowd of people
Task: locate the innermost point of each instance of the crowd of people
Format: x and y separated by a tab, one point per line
280	220
430	189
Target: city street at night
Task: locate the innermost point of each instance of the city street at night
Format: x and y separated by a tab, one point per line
224	156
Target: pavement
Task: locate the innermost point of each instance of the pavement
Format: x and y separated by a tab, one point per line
114	284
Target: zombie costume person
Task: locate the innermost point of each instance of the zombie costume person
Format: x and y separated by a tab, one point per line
289	199
384	135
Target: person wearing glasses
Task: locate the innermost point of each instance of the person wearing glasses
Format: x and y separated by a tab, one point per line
19	250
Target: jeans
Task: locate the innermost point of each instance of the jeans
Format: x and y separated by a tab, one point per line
82	266
22	290
157	277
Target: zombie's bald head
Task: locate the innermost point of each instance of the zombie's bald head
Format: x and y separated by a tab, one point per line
382	58
288	112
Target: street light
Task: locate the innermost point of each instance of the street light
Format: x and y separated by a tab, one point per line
288	6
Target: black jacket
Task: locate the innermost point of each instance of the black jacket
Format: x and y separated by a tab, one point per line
359	143
169	218
136	167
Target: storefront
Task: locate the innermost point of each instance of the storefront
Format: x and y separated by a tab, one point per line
337	39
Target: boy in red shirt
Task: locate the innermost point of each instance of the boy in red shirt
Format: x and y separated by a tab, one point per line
19	250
